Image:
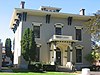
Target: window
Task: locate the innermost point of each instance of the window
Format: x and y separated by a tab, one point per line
78	34
70	20
48	18
24	16
37	31
78	56
37	54
58	31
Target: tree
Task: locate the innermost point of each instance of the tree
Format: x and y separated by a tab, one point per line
92	26
8	47
28	45
94	55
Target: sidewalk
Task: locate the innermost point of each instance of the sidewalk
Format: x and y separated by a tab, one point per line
92	73
95	73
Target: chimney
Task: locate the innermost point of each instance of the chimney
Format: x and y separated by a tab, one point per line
82	12
22	4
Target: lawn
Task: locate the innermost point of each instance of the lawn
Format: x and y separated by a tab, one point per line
32	73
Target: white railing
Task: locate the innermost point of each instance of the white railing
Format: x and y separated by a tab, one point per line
60	37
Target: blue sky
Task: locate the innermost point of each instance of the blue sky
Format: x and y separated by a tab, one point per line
68	6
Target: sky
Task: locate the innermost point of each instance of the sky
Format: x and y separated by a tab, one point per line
68	6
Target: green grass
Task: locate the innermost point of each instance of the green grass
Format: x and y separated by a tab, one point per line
32	73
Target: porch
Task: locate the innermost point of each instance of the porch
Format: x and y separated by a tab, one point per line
61	48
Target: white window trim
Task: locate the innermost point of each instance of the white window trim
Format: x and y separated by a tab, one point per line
36	24
79	47
59	25
38	45
78	27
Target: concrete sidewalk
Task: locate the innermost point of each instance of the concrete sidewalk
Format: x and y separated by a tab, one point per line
93	73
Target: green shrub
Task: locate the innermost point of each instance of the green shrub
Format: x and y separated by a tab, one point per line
36	67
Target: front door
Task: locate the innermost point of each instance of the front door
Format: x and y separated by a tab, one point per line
58	56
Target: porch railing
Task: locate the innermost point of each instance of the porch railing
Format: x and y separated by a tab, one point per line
60	37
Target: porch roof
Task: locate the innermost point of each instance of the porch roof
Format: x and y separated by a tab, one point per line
62	38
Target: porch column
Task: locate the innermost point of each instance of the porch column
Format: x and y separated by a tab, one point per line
71	49
71	56
53	55
54	52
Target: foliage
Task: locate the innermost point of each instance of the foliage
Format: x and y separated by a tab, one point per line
93	56
36	67
92	26
28	45
49	67
8	47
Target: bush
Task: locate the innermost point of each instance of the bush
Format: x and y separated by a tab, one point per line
36	67
49	67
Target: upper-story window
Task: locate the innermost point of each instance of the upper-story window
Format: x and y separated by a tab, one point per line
37	31
48	18
36	28
58	31
24	16
79	33
58	28
70	20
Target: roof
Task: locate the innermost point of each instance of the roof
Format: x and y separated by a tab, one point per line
49	7
43	13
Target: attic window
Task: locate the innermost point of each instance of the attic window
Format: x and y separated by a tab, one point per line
48	18
70	20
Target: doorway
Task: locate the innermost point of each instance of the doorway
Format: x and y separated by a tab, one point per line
58	56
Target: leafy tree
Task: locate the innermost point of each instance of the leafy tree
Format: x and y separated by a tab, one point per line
94	55
28	45
8	47
92	26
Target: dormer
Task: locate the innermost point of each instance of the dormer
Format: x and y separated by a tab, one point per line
49	9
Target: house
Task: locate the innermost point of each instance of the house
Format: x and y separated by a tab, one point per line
60	37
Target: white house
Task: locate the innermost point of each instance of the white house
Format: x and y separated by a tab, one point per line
60	37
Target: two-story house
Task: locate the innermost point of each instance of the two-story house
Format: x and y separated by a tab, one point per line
60	37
